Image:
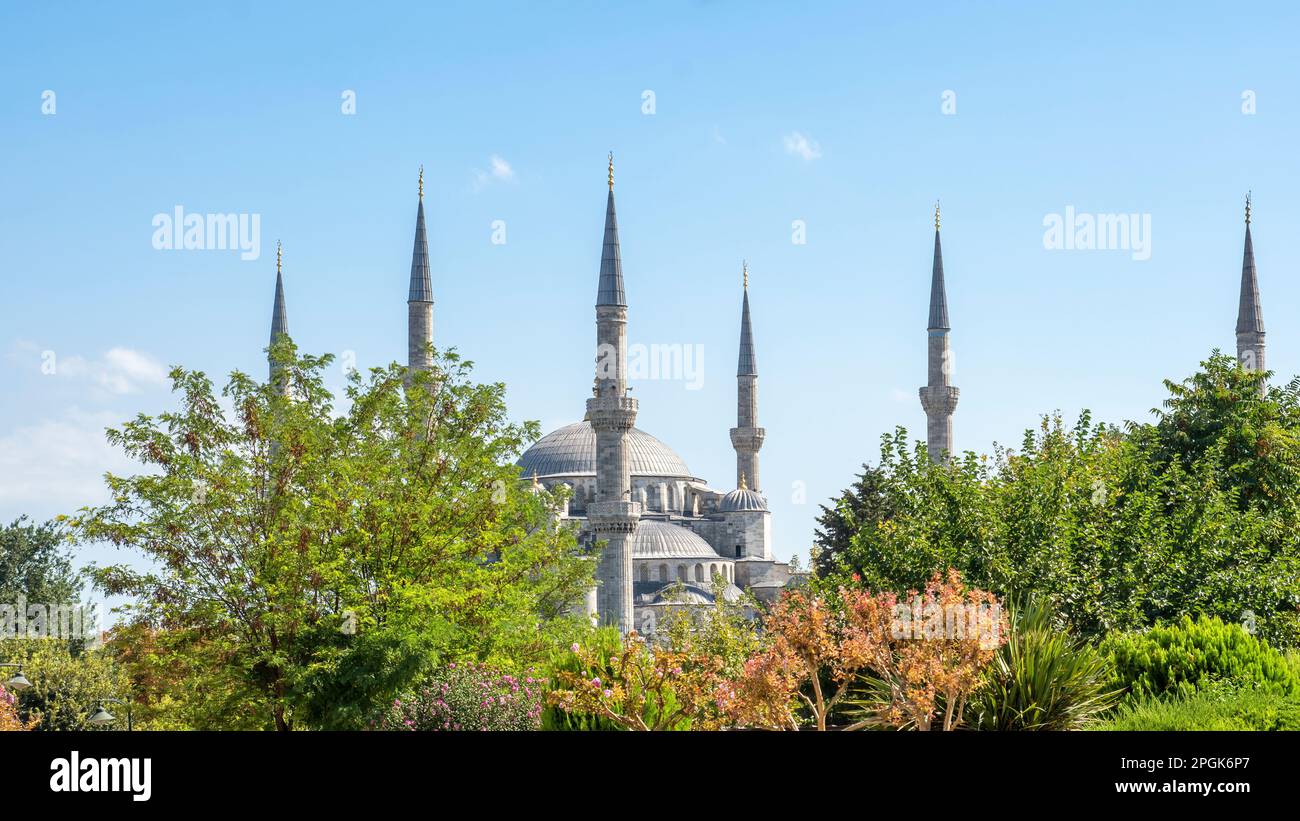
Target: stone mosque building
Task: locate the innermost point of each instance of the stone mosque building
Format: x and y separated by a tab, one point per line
670	539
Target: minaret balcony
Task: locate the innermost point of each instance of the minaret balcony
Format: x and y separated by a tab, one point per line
616	413
619	516
748	440
939	399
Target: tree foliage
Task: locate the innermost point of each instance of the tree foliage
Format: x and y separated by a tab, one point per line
328	557
1115	529
35	566
69	682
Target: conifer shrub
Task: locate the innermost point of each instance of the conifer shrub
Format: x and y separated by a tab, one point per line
1183	658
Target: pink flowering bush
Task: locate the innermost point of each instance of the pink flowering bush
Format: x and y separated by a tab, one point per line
468	697
9	719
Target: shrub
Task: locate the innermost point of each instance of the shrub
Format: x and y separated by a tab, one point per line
1185	657
603	644
918	657
644	687
9	720
1215	708
1043	678
468	697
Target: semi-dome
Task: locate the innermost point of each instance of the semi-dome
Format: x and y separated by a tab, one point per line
686	593
571	451
661	540
741	499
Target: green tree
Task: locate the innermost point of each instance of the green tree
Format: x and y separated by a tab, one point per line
1194	514
331	556
865	502
34	564
69	683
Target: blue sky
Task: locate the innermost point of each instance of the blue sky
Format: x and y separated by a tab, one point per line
764	114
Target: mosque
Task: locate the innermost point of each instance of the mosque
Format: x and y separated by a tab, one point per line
670	539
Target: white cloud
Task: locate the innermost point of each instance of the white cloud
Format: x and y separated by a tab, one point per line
499	170
119	371
57	465
800	146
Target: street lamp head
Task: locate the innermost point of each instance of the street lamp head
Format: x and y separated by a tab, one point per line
18	683
102	717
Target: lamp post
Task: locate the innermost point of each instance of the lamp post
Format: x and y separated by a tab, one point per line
19	682
102	717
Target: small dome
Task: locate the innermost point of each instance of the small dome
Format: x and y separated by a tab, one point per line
741	499
660	540
571	451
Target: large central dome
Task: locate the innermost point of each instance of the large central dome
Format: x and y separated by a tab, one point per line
571	451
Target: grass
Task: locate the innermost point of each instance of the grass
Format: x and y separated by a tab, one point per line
1216	708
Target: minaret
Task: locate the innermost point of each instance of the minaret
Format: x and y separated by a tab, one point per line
1250	319
613	516
938	398
747	436
419	304
279	320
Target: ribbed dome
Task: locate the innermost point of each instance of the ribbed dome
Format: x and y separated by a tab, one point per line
571	451
741	499
660	540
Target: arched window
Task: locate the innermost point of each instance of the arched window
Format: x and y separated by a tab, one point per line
699	572
645	572
663	573
681	572
713	572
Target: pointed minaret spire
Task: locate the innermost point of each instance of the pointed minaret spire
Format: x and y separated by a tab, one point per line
610	289
747	437
613	516
938	398
938	293
419	303
279	315
1250	316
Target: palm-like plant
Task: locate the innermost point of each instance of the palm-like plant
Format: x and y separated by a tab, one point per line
1043	678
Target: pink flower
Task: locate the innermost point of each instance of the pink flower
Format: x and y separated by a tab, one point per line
609	694
574	647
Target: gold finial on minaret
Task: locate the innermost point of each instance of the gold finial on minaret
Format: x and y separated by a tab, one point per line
1248	208
279	256
744	273
611	171
743	485
421	181
936	215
